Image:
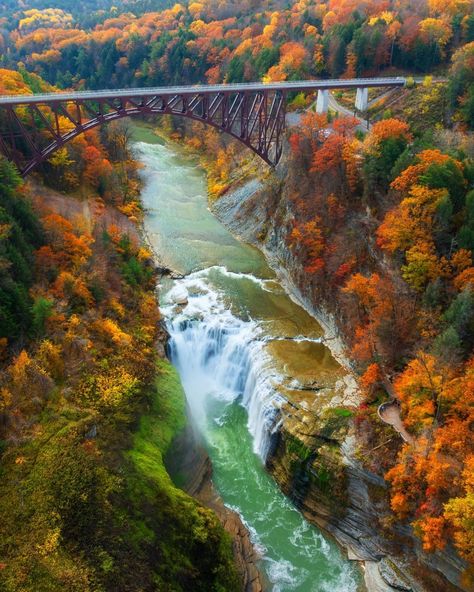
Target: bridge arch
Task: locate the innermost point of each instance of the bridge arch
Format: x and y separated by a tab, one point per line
256	119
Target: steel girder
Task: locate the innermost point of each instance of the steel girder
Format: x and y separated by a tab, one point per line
30	132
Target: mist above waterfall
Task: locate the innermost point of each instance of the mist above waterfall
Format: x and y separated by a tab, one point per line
222	356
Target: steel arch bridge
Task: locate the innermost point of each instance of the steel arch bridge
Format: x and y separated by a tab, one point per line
33	127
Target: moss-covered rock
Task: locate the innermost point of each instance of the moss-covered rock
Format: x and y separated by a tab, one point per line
307	461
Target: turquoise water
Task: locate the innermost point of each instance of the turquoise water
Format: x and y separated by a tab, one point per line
222	318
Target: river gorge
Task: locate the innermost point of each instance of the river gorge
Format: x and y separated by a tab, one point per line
243	348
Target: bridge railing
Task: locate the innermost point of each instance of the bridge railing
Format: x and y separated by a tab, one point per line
237	87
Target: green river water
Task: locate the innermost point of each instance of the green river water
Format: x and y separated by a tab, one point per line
237	340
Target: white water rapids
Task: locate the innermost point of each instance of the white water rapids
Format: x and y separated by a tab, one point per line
222	355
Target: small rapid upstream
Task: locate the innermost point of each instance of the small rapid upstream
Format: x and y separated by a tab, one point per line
240	344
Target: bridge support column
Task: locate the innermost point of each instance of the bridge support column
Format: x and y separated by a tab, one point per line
362	99
322	102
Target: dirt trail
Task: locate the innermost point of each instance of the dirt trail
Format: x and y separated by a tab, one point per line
390	413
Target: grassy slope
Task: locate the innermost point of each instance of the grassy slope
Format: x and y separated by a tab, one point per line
195	536
164	420
74	518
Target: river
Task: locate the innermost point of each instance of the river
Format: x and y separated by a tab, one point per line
239	343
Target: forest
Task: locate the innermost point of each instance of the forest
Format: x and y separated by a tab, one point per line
231	41
382	227
88	406
404	294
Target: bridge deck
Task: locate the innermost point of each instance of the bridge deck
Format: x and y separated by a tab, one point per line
300	85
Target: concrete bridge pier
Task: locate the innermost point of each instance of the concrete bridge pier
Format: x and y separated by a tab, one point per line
362	99
322	102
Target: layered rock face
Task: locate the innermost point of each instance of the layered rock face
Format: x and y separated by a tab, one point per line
314	456
330	486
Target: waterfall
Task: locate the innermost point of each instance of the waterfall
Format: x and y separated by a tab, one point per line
222	356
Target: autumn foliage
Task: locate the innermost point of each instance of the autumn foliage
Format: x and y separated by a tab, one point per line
378	225
384	223
234	42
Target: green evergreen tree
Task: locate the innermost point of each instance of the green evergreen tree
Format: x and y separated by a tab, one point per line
20	234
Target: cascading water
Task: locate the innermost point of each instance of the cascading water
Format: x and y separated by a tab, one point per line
235	335
220	355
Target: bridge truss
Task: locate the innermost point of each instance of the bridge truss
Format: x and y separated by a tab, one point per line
32	130
33	127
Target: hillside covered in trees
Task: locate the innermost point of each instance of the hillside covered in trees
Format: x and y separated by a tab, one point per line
380	226
88	405
232	41
403	294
